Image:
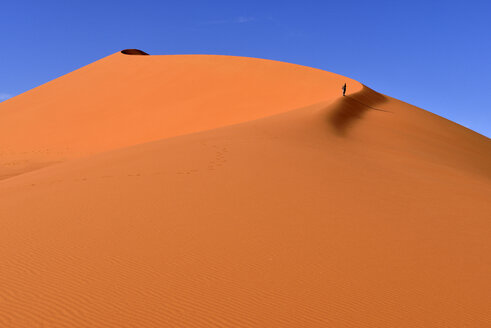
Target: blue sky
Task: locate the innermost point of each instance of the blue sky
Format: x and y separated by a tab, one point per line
433	54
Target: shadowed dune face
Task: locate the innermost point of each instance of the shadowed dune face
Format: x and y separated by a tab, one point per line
133	52
351	108
208	191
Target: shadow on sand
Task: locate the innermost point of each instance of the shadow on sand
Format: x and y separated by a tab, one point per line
134	52
350	109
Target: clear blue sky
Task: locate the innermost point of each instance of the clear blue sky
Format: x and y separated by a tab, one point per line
434	54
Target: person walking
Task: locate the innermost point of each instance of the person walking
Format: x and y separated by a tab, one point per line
344	89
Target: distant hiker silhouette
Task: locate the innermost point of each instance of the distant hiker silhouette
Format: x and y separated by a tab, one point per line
344	89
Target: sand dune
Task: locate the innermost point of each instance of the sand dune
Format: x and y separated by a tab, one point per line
215	191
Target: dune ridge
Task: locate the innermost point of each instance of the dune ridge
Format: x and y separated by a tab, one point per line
261	197
72	113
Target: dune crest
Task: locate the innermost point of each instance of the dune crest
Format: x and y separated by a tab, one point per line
215	191
154	97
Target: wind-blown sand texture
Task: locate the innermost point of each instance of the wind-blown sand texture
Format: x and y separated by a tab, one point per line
215	191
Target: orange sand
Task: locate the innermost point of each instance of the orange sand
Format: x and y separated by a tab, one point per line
214	191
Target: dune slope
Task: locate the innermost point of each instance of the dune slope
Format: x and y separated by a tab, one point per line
277	203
